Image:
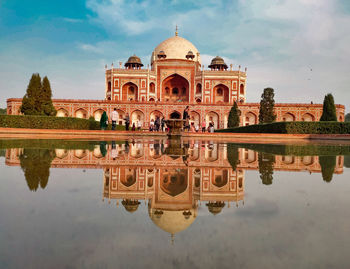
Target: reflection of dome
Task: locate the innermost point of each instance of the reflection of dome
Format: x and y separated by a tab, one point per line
172	221
216	207
176	47
130	205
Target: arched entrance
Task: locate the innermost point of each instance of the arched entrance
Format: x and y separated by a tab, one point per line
250	119
288	117
81	113
154	114
221	94
62	113
98	114
175	88
195	118
137	116
307	117
130	92
212	117
175	115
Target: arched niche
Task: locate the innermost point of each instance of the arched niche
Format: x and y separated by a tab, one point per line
62	113
130	92
175	88
195	118
129	177
212	117
98	114
152	88
221	94
137	116
154	114
175	115
288	117
241	89
81	113
308	117
220	177
250	118
174	182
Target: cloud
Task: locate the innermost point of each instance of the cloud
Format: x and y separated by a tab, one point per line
72	20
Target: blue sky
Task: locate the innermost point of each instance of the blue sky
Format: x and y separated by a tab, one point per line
298	47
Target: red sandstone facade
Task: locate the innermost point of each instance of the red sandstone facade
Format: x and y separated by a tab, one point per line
176	79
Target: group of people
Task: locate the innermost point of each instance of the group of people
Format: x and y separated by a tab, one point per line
157	124
191	127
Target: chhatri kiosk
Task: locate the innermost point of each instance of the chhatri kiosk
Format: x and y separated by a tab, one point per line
175	79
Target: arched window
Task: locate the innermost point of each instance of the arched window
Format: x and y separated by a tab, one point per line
241	90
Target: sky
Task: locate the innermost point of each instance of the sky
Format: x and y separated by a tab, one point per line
301	48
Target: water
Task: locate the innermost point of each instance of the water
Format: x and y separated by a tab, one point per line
173	204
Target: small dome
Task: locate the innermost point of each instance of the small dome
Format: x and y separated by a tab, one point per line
215	208
134	60
218	62
130	205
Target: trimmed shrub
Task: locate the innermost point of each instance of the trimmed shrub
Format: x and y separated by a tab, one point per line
45	122
295	127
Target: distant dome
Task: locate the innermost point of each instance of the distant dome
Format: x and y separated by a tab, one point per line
215	208
134	60
218	62
130	205
175	47
172	221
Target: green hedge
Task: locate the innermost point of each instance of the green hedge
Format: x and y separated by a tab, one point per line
295	127
46	122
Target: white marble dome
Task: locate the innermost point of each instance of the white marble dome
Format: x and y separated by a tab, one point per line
175	47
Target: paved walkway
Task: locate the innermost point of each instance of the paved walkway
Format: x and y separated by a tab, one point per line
109	135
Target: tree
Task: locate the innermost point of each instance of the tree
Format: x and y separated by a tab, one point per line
35	164
267	104
31	102
37	100
266	162
327	164
233	155
233	116
347	117
329	112
47	106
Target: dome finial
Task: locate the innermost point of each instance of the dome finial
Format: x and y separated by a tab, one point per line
176	31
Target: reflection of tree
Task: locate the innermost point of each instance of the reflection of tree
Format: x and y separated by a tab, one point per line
266	162
103	148
347	160
233	155
327	164
36	166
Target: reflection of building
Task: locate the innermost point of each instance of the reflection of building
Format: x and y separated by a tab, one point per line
152	152
173	193
176	78
173	182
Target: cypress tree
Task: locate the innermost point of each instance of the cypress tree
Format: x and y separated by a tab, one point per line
47	106
31	102
329	111
267	104
266	162
233	116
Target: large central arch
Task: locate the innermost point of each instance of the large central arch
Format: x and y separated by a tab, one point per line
175	88
221	94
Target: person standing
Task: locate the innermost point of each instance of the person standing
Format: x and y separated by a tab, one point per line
139	125
114	118
127	121
162	124
204	125
104	121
